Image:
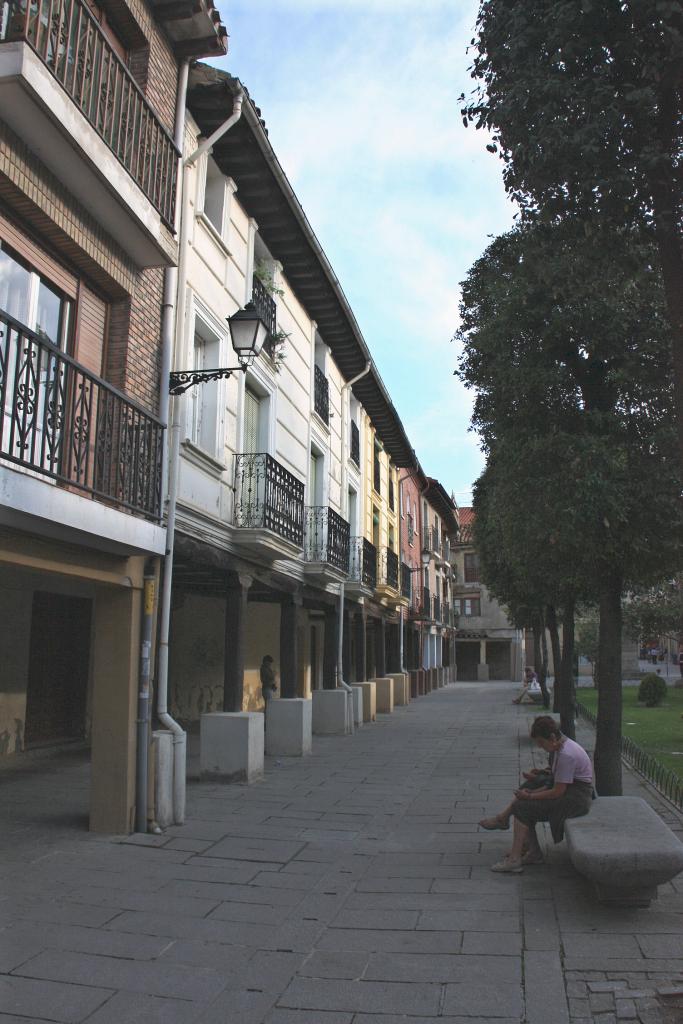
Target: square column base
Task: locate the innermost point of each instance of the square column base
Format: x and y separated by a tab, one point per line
414	676
369	698
401	688
231	746
330	712
289	727
385	695
357	702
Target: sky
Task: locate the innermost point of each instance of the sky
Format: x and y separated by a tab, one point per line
360	98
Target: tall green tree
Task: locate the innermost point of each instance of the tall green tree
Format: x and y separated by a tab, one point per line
584	101
567	345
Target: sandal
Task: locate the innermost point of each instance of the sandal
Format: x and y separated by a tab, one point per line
491	824
508	867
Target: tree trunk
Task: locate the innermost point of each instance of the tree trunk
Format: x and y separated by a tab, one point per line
540	661
567	701
607	758
551	621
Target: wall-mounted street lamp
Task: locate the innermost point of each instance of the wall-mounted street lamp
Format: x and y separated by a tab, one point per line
248	332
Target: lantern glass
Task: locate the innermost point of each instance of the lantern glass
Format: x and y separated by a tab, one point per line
248	331
426	558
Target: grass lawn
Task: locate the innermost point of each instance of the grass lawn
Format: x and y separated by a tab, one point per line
659	730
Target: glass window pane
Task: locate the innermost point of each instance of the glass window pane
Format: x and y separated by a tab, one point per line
48	313
15	288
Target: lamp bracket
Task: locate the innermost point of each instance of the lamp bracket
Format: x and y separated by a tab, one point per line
181	380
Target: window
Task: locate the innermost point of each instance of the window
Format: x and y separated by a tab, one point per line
376	467
391	493
35	302
410	526
471	568
215	197
252	421
391	538
315	494
375	526
467	606
204	399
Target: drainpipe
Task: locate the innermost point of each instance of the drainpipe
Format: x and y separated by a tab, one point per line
141	774
340	650
179	738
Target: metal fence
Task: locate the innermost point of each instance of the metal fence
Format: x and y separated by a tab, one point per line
665	780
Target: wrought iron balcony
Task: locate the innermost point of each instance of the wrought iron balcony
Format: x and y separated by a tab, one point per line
71	44
326	537
268	496
363	562
321	394
267	310
355	443
389	573
406	581
61	421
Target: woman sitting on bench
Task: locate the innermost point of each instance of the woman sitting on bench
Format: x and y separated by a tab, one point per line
568	796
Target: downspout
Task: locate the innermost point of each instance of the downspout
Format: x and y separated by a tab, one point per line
340	649
174	455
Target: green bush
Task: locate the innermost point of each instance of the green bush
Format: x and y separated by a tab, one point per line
652	690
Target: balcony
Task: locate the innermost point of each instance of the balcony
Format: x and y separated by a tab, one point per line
321	395
269	506
67	428
421	608
355	444
326	542
362	567
267	310
387	584
89	123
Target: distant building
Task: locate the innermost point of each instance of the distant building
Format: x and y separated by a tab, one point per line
487	645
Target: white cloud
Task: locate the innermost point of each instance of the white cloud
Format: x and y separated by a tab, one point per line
362	109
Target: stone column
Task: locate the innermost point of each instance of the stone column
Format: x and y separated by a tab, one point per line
360	644
347	667
330	648
236	595
380	649
289	652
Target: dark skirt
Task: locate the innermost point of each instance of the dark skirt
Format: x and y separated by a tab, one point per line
575	802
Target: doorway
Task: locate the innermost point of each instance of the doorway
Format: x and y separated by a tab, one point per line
58	669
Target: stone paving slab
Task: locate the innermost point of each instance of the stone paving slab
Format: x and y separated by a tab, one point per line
349	887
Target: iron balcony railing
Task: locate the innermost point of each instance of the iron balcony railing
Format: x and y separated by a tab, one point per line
326	537
71	44
363	562
268	496
406	581
267	310
321	394
389	573
63	422
355	444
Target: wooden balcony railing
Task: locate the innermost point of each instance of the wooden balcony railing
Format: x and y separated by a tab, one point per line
71	44
321	395
363	562
326	537
61	421
268	496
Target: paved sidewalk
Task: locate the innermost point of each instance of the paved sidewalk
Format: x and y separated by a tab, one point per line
350	887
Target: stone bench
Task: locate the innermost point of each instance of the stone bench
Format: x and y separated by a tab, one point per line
625	849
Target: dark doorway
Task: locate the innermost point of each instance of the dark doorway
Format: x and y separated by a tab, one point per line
498	658
467	660
59	662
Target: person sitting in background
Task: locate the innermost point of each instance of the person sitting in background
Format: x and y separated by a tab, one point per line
569	796
531	689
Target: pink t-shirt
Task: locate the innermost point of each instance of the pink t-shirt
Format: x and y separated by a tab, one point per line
572	764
